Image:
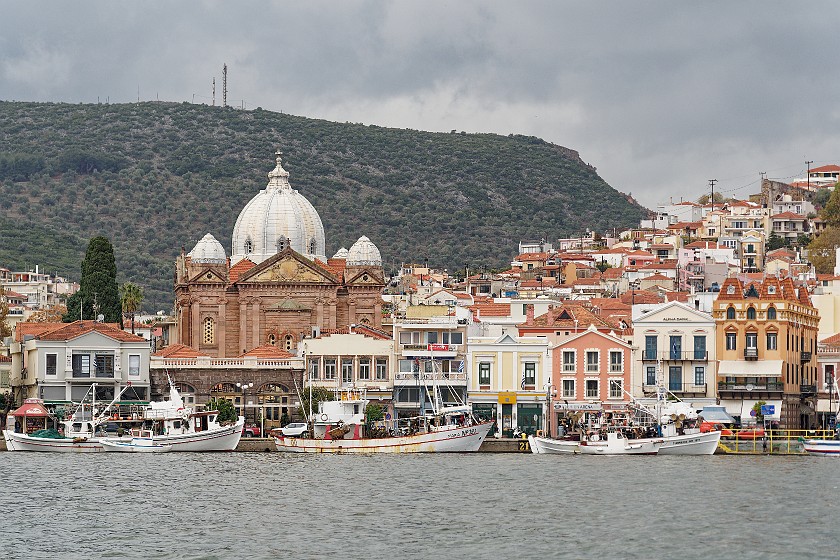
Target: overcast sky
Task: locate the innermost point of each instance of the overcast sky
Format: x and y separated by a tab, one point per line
659	96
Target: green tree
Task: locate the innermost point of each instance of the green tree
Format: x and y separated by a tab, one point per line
319	395
227	412
775	241
98	292
831	212
705	198
374	412
759	417
821	250
131	298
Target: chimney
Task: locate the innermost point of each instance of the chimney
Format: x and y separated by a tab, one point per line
529	313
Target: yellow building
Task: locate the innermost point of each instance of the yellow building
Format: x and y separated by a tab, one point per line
507	381
767	347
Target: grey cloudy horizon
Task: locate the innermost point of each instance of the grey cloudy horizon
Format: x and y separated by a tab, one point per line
659	96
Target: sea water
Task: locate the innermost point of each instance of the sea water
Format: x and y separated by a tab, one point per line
276	505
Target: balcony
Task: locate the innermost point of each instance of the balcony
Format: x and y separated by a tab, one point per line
678	389
435	378
807	390
569	368
805	357
742	389
751	353
676	356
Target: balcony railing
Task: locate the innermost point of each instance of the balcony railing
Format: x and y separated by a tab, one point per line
592	368
437	376
740	386
750	353
569	368
616	368
805	357
678	388
677	356
808	390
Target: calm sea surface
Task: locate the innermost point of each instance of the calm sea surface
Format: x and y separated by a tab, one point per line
274	505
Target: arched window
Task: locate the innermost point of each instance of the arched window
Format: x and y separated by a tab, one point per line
312	246
730	312
771	313
272	339
288	342
751	313
282	243
208	331
249	246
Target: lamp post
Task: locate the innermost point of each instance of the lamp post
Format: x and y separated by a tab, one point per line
244	387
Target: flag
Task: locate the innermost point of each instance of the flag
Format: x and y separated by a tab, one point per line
94	363
461	367
522	385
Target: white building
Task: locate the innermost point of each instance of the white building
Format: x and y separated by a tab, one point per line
675	347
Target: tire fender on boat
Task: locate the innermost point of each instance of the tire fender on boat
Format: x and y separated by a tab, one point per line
324	417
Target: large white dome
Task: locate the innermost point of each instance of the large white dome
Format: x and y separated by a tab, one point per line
364	253
276	218
208	250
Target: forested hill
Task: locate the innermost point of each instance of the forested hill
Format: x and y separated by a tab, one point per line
154	177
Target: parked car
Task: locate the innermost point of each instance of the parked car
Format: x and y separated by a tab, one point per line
251	430
295	429
715	426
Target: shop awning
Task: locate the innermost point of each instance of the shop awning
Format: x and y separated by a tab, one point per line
716	414
30	407
755	368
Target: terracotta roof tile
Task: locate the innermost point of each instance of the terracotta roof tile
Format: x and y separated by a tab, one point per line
833	340
267	351
491	309
78	328
239	269
178	351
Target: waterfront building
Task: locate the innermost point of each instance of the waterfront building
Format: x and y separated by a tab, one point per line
58	362
767	345
356	356
5	373
828	400
676	350
591	369
570	318
260	383
429	353
277	287
508	379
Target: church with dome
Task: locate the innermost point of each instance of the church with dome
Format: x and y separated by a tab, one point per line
277	287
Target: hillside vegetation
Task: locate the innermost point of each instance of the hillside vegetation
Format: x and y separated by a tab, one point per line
155	177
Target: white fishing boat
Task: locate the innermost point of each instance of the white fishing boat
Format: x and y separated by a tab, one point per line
616	444
825	447
33	428
339	427
183	429
142	442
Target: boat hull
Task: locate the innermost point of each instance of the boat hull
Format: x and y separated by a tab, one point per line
225	438
690	444
826	447
457	440
23	442
134	446
553	446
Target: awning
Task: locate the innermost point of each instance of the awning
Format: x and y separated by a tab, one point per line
31	407
717	414
756	368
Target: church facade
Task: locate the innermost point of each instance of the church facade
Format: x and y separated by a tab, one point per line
277	287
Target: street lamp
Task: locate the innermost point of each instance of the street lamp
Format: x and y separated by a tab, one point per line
244	387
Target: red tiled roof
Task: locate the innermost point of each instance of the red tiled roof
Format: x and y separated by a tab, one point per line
658	277
788	216
833	340
78	328
267	351
239	269
178	351
681	297
532	257
632	297
491	309
826	169
34	329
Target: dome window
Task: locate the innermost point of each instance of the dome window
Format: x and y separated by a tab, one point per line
282	243
249	246
312	246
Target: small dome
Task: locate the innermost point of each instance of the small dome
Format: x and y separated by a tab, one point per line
342	253
277	218
208	250
364	252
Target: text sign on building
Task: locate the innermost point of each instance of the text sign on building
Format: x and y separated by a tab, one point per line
768	409
438	348
577	406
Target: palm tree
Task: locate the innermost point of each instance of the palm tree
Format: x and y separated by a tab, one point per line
131	296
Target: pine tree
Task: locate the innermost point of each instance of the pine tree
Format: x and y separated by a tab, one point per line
98	293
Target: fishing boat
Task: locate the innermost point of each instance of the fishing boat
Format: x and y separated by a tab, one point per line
33	428
339	427
140	442
821	447
632	431
170	423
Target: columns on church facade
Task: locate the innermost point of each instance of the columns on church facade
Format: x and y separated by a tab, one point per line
221	326
195	325
255	322
243	326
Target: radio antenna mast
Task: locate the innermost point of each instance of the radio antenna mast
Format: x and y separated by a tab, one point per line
224	85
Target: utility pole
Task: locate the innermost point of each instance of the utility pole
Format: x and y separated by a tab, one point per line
224	85
712	186
808	173
214	91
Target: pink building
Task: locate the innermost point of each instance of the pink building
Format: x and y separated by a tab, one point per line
592	373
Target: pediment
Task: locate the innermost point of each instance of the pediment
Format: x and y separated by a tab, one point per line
287	268
289	304
506	339
208	276
365	277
